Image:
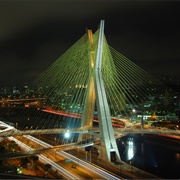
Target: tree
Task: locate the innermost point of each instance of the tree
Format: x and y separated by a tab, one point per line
48	167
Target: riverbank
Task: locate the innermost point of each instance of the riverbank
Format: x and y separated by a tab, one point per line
170	136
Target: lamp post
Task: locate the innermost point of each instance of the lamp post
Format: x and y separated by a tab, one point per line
142	121
90	156
134	112
86	155
67	135
55	141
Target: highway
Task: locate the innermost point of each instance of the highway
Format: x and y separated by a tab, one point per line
96	172
66	174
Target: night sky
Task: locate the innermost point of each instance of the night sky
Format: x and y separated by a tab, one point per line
34	33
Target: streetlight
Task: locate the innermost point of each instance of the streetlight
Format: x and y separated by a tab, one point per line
67	134
90	156
134	112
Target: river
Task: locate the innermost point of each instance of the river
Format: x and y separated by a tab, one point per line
156	154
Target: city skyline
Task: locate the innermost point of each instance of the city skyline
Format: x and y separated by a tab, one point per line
35	33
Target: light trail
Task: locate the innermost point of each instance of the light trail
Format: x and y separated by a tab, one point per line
99	171
65	173
76	115
90	167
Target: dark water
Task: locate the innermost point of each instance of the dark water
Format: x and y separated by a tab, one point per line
155	154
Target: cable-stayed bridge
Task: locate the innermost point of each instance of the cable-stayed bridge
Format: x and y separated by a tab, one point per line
90	79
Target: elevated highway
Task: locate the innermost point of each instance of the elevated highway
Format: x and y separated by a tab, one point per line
7	130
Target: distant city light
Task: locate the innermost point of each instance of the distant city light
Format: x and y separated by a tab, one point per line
133	110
